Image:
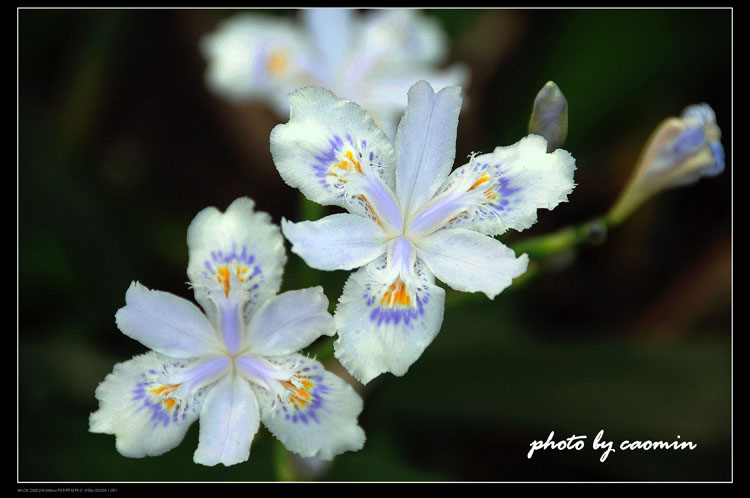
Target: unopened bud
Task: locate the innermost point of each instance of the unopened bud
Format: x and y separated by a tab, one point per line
549	117
679	152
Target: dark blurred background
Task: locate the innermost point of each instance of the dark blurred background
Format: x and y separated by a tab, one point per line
120	144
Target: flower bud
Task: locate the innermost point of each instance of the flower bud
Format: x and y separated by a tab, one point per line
679	152
549	117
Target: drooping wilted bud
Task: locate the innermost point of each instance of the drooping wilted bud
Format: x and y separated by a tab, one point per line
679	152
549	117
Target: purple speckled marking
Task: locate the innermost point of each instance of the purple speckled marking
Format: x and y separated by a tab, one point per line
159	415
324	160
399	314
505	189
309	411
245	257
219	257
388	315
396	314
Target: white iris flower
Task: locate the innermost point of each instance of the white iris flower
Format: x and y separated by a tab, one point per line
234	366
409	218
371	59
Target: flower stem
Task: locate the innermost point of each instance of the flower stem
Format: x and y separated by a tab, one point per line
283	463
592	232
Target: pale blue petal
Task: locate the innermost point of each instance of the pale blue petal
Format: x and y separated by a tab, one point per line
166	323
336	242
261	372
471	262
330	31
318	417
385	92
438	212
425	144
401	258
229	420
231	322
290	322
194	376
501	190
335	154
133	407
386	320
236	260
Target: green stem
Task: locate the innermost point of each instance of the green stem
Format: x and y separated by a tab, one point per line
283	463
592	232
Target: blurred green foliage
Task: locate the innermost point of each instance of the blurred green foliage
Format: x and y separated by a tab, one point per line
120	145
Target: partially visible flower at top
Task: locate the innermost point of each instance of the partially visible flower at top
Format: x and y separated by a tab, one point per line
549	116
233	367
371	59
679	152
410	219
